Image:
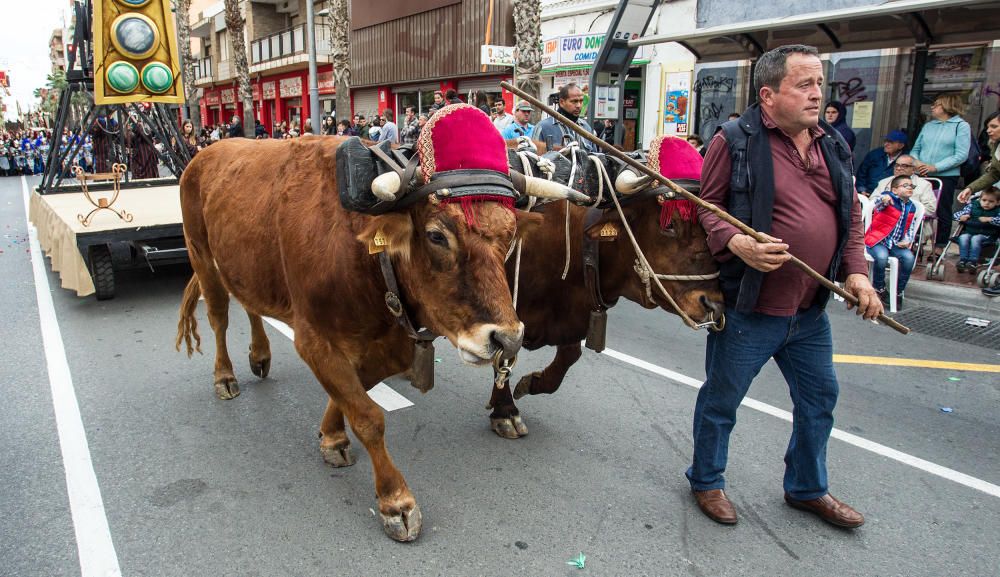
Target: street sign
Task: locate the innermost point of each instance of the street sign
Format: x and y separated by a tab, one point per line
491	55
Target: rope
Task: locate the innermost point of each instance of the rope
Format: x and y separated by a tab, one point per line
642	266
571	147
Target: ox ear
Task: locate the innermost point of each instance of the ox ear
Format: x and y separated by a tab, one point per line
606	229
395	232
528	222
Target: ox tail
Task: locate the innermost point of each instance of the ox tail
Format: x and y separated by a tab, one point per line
187	327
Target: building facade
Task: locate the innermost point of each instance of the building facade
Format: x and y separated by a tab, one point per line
401	52
659	79
869	67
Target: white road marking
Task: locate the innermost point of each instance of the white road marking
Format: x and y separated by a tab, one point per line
383	394
90	522
860	442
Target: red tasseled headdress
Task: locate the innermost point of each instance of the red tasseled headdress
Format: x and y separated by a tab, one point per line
675	159
461	137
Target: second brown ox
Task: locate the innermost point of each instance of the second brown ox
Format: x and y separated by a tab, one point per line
555	307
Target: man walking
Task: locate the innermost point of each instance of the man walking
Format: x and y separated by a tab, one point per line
783	171
520	126
555	134
389	130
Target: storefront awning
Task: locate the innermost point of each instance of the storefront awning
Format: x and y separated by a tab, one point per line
891	24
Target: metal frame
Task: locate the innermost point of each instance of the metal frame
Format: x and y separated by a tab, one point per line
612	45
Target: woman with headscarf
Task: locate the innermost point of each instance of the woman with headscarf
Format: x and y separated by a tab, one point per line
836	115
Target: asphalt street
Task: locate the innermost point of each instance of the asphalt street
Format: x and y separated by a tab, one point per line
192	485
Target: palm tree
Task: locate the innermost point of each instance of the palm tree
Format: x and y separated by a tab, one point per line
236	25
528	39
340	41
184	39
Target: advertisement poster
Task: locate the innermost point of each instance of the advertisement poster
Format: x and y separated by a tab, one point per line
677	94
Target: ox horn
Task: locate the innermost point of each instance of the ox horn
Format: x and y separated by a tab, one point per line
386	186
541	188
628	182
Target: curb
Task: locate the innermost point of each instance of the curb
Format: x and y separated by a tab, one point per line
966	299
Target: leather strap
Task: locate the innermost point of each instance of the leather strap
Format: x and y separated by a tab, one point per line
394	301
592	261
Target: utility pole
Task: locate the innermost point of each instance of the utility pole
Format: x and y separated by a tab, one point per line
314	112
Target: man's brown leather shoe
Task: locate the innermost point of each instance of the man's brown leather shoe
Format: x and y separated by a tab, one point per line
829	509
716	506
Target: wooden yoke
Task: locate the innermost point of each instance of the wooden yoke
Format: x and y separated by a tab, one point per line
102	203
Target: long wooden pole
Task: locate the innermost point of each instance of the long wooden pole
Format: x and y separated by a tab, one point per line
643	169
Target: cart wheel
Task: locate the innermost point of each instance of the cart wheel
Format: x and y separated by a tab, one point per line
935	271
102	272
993	281
982	278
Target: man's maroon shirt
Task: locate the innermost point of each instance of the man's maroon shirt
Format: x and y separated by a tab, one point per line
804	217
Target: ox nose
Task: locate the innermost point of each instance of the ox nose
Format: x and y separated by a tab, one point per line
508	340
714	309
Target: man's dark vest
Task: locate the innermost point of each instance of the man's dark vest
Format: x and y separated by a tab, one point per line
751	200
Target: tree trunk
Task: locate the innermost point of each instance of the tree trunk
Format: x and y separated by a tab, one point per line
528	39
191	110
236	25
340	41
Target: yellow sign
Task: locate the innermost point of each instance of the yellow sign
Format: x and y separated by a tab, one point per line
135	53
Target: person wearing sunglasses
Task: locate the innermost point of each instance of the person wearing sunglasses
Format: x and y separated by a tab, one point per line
923	191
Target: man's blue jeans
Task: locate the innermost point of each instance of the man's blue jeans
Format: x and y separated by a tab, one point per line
970	246
803	348
881	254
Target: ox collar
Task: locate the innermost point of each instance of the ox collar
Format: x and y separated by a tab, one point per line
422	376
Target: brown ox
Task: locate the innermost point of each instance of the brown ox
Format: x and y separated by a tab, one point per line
263	223
556	312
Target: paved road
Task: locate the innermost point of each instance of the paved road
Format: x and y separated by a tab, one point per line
196	486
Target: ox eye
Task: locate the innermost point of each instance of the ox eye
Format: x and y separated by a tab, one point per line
437	237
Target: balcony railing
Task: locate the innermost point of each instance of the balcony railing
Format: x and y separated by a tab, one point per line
287	43
203	68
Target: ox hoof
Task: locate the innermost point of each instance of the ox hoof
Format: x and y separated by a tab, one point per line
524	385
261	368
337	456
509	428
403	526
227	389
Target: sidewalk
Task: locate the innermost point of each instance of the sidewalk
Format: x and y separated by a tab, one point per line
958	291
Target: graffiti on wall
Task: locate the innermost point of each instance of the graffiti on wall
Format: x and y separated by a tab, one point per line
849	91
716	90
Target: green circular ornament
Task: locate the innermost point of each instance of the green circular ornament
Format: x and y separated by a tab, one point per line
122	77
157	77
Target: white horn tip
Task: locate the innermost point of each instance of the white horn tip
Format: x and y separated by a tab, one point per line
385	186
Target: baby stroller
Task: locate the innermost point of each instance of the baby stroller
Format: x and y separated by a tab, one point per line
988	277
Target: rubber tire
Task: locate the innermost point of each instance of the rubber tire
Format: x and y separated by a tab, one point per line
102	272
981	279
993	281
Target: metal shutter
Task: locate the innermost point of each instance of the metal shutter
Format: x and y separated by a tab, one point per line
485	84
366	102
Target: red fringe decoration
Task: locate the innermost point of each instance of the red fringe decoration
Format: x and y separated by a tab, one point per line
468	202
685	209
